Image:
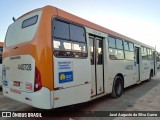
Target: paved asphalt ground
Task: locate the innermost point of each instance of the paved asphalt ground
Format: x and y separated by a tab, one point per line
141	97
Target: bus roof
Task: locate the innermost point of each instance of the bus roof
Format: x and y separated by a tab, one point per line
68	16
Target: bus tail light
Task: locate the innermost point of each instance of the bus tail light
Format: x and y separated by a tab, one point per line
37	81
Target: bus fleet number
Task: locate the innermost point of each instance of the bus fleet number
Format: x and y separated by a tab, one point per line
27	67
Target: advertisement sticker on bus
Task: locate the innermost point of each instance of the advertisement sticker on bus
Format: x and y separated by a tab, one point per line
65	71
65	65
65	77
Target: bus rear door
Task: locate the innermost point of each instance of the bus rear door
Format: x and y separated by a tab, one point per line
97	71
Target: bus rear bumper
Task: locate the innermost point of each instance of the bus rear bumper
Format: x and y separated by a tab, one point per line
40	99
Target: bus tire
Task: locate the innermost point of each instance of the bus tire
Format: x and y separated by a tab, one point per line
117	88
150	75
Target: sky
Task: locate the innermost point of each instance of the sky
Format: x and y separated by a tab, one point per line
137	19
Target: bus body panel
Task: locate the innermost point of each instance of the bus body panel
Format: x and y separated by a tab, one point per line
19	29
146	67
72	95
18	72
78	67
126	68
72	76
39	99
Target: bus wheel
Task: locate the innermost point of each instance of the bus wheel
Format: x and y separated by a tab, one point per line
150	75
117	88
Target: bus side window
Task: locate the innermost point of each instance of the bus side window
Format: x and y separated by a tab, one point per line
61	30
99	52
69	40
116	48
144	53
91	42
129	50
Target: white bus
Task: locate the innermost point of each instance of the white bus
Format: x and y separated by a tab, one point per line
52	58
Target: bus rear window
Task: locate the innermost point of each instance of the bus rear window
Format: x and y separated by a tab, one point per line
30	21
